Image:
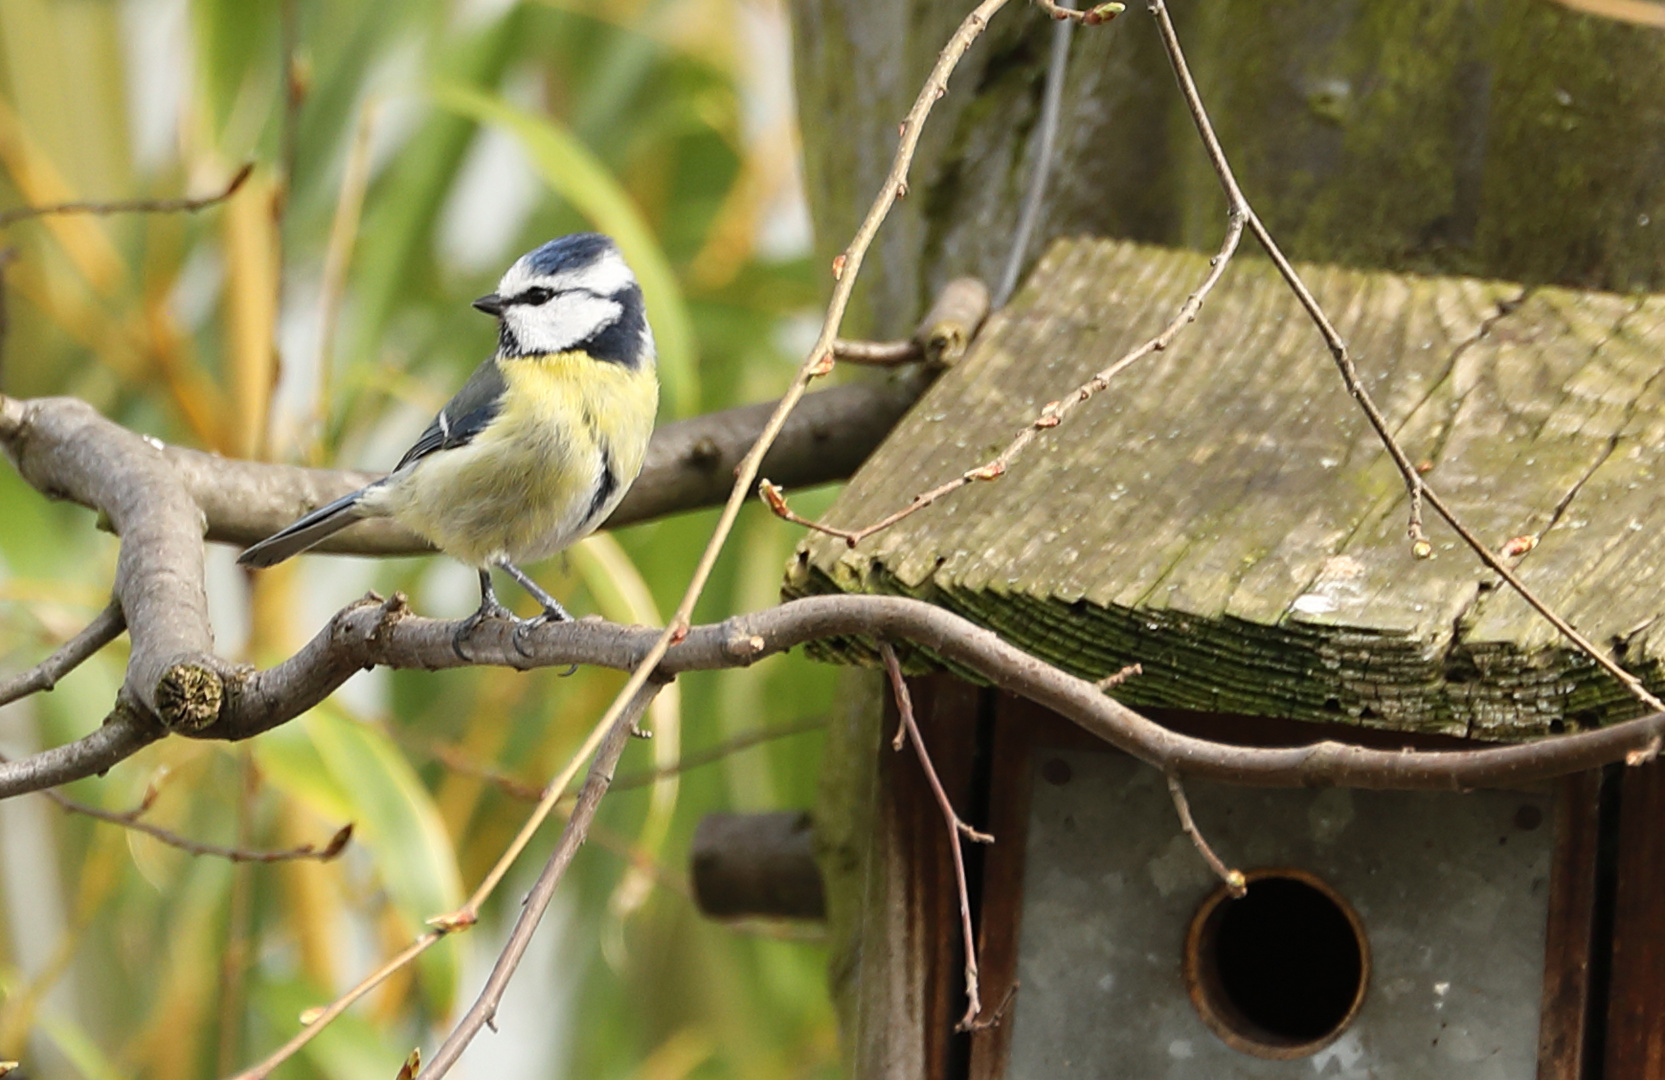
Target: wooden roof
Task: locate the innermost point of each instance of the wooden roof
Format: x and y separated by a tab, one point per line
1224	516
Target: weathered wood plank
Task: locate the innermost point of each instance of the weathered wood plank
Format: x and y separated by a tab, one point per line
893	921
1636	994
1562	1034
1224	516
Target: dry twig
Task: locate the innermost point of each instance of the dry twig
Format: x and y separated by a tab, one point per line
957	830
1050	416
1116	678
105	628
130	206
1235	883
134	819
846	268
877	353
484	1009
1093	16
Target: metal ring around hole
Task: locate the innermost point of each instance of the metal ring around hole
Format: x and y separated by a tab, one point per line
1202	981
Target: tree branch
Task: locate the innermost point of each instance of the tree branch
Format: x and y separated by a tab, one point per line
71	654
130	206
1233	879
690	465
65	449
384	633
161	500
122	735
958	831
134	819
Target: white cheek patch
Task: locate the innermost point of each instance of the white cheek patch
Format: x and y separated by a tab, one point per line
561	323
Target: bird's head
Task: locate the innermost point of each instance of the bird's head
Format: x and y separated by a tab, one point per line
573	294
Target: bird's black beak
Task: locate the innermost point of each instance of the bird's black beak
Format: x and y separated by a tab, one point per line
491	304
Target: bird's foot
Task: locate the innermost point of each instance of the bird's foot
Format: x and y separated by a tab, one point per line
553	612
489	609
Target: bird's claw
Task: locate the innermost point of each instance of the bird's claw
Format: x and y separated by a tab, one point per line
466	629
556	614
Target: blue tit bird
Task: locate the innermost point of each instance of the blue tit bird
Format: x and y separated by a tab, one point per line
541	442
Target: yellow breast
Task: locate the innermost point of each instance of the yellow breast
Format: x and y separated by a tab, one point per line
533	481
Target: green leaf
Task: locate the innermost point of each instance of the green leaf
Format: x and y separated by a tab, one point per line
348	770
580	178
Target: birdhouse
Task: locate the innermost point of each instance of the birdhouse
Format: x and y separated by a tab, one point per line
1223	516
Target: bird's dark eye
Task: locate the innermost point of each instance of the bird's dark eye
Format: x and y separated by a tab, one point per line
536	295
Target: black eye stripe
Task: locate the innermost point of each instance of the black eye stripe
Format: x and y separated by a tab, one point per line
537	294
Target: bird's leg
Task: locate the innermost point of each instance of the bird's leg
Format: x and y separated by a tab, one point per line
552	609
489	608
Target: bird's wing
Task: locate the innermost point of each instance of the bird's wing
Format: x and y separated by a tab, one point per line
463	417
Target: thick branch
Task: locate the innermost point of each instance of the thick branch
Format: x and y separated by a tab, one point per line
690	464
161	500
65	449
371	633
119	738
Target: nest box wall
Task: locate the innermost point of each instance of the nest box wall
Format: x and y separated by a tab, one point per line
1427	911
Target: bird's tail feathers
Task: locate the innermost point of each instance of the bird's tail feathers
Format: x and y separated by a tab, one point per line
307	531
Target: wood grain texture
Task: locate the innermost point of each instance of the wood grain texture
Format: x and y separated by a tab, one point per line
1018	728
1636	997
894	926
1223	516
1562	1033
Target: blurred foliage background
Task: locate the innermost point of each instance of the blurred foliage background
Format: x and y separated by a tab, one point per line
404	154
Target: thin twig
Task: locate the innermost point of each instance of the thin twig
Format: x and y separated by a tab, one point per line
1093	16
459	762
1116	678
484	1009
105	628
315	1020
1415	488
1050	416
134	819
877	353
847	268
957	830
130	206
1236	884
